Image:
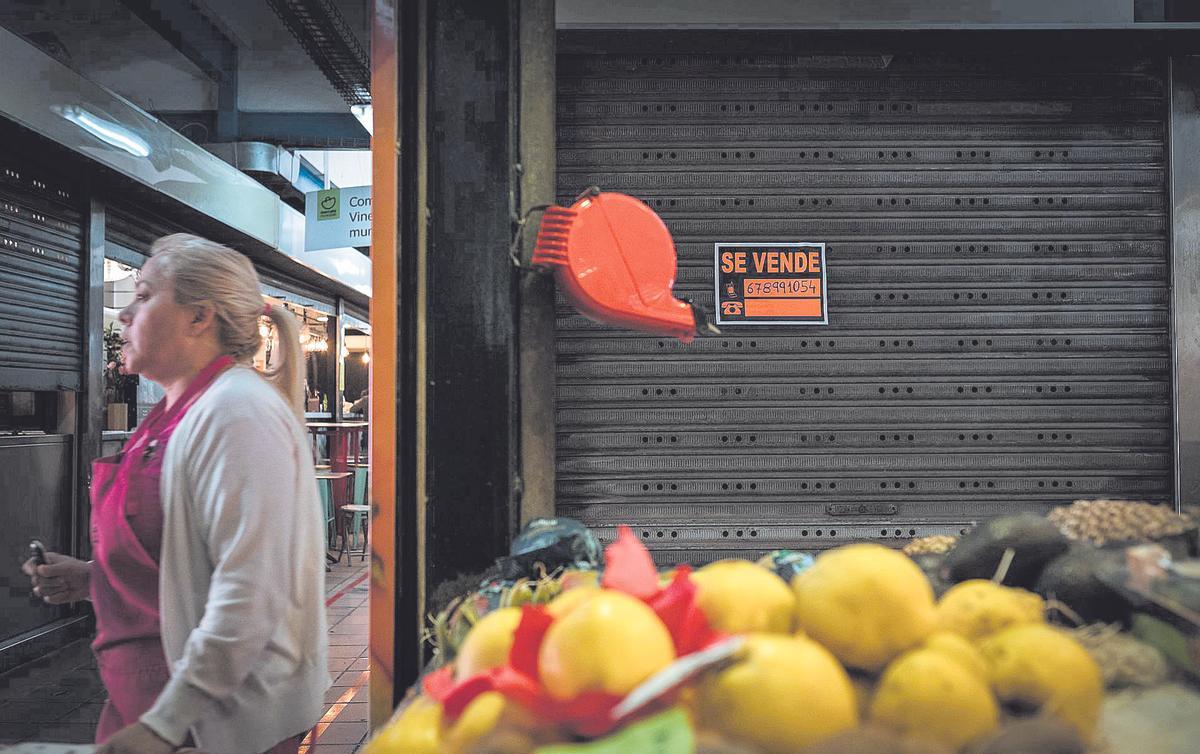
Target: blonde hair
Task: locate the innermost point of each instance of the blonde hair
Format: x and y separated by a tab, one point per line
204	271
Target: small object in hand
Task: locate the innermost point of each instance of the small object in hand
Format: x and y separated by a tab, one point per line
37	551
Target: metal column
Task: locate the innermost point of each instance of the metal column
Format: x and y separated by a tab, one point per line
89	405
1184	140
446	158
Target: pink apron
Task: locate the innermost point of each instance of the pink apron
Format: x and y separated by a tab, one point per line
127	523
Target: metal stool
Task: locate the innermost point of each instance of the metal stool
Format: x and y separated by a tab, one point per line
350	515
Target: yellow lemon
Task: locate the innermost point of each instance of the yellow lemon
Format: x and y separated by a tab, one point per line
978	608
488	643
569	600
479	719
611	642
1044	666
417	730
783	693
928	694
960	650
740	597
575	579
866	603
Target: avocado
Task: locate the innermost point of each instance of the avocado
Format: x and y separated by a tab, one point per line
1071	578
1034	539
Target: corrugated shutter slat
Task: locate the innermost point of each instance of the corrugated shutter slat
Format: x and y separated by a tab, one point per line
998	292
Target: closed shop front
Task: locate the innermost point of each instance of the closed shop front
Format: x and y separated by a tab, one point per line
42	236
996	231
41	245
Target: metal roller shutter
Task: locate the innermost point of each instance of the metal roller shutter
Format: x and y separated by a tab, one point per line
41	248
136	229
997	271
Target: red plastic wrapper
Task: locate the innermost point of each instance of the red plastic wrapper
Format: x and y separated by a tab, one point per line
629	569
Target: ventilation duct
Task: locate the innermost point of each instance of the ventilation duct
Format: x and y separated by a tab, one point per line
274	167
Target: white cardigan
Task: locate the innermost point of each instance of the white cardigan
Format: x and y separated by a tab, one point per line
242	580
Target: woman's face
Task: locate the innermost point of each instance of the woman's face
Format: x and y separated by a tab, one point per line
156	328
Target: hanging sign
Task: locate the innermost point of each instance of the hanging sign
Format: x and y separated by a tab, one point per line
771	284
337	217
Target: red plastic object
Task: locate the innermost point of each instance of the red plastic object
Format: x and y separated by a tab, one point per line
629	569
615	261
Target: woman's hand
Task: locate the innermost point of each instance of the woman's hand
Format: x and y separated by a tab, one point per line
135	739
62	579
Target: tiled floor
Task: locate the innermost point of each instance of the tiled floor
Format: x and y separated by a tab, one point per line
58	698
344	725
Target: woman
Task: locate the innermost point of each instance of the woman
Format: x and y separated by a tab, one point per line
208	578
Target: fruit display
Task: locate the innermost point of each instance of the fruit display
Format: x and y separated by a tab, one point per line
781	693
1102	521
488	644
1071	578
1043	667
856	651
931	694
867	603
1124	661
1033	540
608	643
740	597
976	609
1003	640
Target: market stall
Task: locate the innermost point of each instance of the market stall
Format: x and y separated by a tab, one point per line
1072	632
1002	219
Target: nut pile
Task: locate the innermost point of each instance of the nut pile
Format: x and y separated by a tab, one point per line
1104	521
937	544
1123	660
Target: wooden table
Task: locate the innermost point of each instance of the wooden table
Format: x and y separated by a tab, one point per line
344	441
344	437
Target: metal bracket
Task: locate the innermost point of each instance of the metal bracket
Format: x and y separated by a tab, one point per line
518	226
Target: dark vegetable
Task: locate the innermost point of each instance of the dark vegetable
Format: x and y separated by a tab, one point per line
1034	540
1071	579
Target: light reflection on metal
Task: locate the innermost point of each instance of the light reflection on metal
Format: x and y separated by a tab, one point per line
113	134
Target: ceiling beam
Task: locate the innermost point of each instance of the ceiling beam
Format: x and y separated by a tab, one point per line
295	130
196	37
191	32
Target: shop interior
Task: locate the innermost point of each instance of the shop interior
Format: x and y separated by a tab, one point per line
128	399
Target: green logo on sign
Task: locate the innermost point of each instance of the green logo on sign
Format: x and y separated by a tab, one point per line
329	204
